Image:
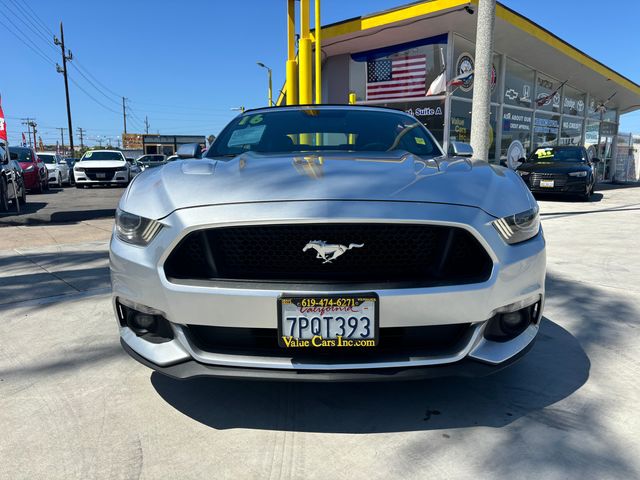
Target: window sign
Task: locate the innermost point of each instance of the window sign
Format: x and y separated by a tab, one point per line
571	132
547	93
573	102
460	125
518	88
516	136
545	130
429	112
464	63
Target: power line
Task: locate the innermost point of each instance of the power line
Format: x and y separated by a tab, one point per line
94	85
92	97
39	20
34	48
24	18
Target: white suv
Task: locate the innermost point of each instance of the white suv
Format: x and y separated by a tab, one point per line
103	167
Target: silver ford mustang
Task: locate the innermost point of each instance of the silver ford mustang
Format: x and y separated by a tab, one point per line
327	243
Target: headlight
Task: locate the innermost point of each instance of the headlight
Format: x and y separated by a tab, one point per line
121	169
519	227
578	174
78	169
30	168
134	229
522	173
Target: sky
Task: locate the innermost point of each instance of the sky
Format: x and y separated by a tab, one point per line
185	65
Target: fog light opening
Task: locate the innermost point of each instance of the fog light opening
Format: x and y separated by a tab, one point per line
505	326
149	324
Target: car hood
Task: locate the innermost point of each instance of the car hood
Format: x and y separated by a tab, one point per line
553	167
101	164
388	176
51	167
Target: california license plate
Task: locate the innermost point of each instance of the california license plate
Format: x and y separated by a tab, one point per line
101	175
547	183
329	321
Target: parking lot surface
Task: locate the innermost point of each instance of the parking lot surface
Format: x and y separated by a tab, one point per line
73	405
61	205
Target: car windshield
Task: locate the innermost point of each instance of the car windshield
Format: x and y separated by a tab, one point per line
20	154
324	129
47	158
102	156
558	154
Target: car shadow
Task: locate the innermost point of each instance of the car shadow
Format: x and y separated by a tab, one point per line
555	368
549	197
27	208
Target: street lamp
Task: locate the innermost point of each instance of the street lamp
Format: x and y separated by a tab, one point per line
260	64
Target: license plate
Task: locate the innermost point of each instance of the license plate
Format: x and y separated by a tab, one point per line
101	175
547	183
328	321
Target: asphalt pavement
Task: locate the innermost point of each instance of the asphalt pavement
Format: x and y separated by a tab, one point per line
73	405
64	205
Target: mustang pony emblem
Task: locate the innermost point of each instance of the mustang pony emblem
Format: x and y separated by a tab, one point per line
329	251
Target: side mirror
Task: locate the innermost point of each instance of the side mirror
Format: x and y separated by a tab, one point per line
189	150
522	160
460	149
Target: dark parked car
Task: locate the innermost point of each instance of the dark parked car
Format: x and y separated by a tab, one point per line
11	184
34	169
563	170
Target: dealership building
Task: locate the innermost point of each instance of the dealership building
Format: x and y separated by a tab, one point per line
544	91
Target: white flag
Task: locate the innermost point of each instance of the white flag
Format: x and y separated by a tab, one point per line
438	86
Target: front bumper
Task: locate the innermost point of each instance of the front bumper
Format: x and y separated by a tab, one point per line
32	179
138	276
88	178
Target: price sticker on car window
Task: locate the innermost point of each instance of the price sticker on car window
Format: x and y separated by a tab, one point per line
246	136
544	153
419	140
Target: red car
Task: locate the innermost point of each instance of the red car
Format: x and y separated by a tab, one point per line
33	169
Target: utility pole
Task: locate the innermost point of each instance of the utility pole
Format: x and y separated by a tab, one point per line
33	125
27	122
124	114
66	55
81	134
62	129
481	107
146	124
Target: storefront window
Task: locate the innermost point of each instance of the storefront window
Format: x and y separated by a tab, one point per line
547	93
571	131
397	72
591	137
518	87
546	128
430	113
464	61
516	136
460	128
573	102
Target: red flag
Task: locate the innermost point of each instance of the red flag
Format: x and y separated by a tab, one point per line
3	125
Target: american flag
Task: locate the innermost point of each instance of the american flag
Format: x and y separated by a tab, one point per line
396	77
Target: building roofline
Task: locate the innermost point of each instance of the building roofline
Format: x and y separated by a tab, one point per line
426	7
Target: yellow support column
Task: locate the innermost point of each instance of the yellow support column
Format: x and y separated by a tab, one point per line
292	64
318	33
304	54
